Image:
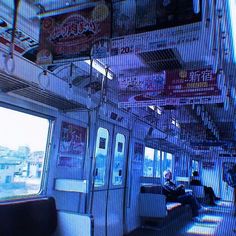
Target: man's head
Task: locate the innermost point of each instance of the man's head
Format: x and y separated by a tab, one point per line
167	174
195	173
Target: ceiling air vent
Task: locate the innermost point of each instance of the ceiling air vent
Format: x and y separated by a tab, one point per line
160	60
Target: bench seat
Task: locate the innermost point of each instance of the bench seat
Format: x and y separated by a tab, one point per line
39	217
155	210
32	217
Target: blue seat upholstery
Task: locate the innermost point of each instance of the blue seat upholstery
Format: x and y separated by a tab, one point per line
34	217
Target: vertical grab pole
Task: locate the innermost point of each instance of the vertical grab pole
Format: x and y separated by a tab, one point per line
16	4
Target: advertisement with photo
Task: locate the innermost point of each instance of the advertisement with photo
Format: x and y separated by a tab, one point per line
74	34
72	146
177	87
145	13
123	22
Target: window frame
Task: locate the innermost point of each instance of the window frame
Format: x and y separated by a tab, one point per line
44	178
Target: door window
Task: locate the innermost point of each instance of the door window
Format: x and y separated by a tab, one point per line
101	156
119	157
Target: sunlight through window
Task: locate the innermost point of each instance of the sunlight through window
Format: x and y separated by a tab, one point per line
202	229
23	141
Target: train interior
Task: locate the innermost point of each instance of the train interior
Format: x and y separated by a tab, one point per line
98	98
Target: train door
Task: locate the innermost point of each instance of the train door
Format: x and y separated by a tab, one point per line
109	179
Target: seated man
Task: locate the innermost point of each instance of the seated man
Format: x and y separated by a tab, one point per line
208	190
177	193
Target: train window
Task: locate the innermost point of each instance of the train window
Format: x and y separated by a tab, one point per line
101	156
23	143
195	166
158	163
167	161
148	162
119	156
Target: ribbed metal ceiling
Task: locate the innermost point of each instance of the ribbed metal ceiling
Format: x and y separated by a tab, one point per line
35	93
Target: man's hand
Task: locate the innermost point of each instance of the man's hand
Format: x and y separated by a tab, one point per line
180	186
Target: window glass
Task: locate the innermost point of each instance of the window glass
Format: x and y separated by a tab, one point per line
158	163
148	162
23	142
119	156
195	166
167	161
101	156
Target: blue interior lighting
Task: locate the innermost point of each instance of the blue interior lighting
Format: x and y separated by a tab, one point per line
232	10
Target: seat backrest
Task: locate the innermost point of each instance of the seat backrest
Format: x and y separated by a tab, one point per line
152	205
156	189
198	191
34	217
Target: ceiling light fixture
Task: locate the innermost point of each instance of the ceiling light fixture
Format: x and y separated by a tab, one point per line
196	6
97	65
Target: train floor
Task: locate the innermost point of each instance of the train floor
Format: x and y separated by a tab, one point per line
214	221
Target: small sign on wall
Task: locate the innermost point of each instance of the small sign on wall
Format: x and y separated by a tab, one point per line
208	165
102	143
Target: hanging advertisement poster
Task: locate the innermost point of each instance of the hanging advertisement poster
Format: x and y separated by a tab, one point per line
179	87
138	156
74	34
22	41
175	13
72	145
137	16
123	22
145	13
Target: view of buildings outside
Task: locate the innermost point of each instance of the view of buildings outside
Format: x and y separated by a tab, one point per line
148	164
23	140
20	171
155	161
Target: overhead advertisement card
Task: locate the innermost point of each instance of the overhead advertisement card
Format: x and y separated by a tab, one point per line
179	87
22	41
137	16
123	22
78	33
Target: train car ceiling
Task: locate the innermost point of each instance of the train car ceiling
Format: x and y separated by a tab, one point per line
148	53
